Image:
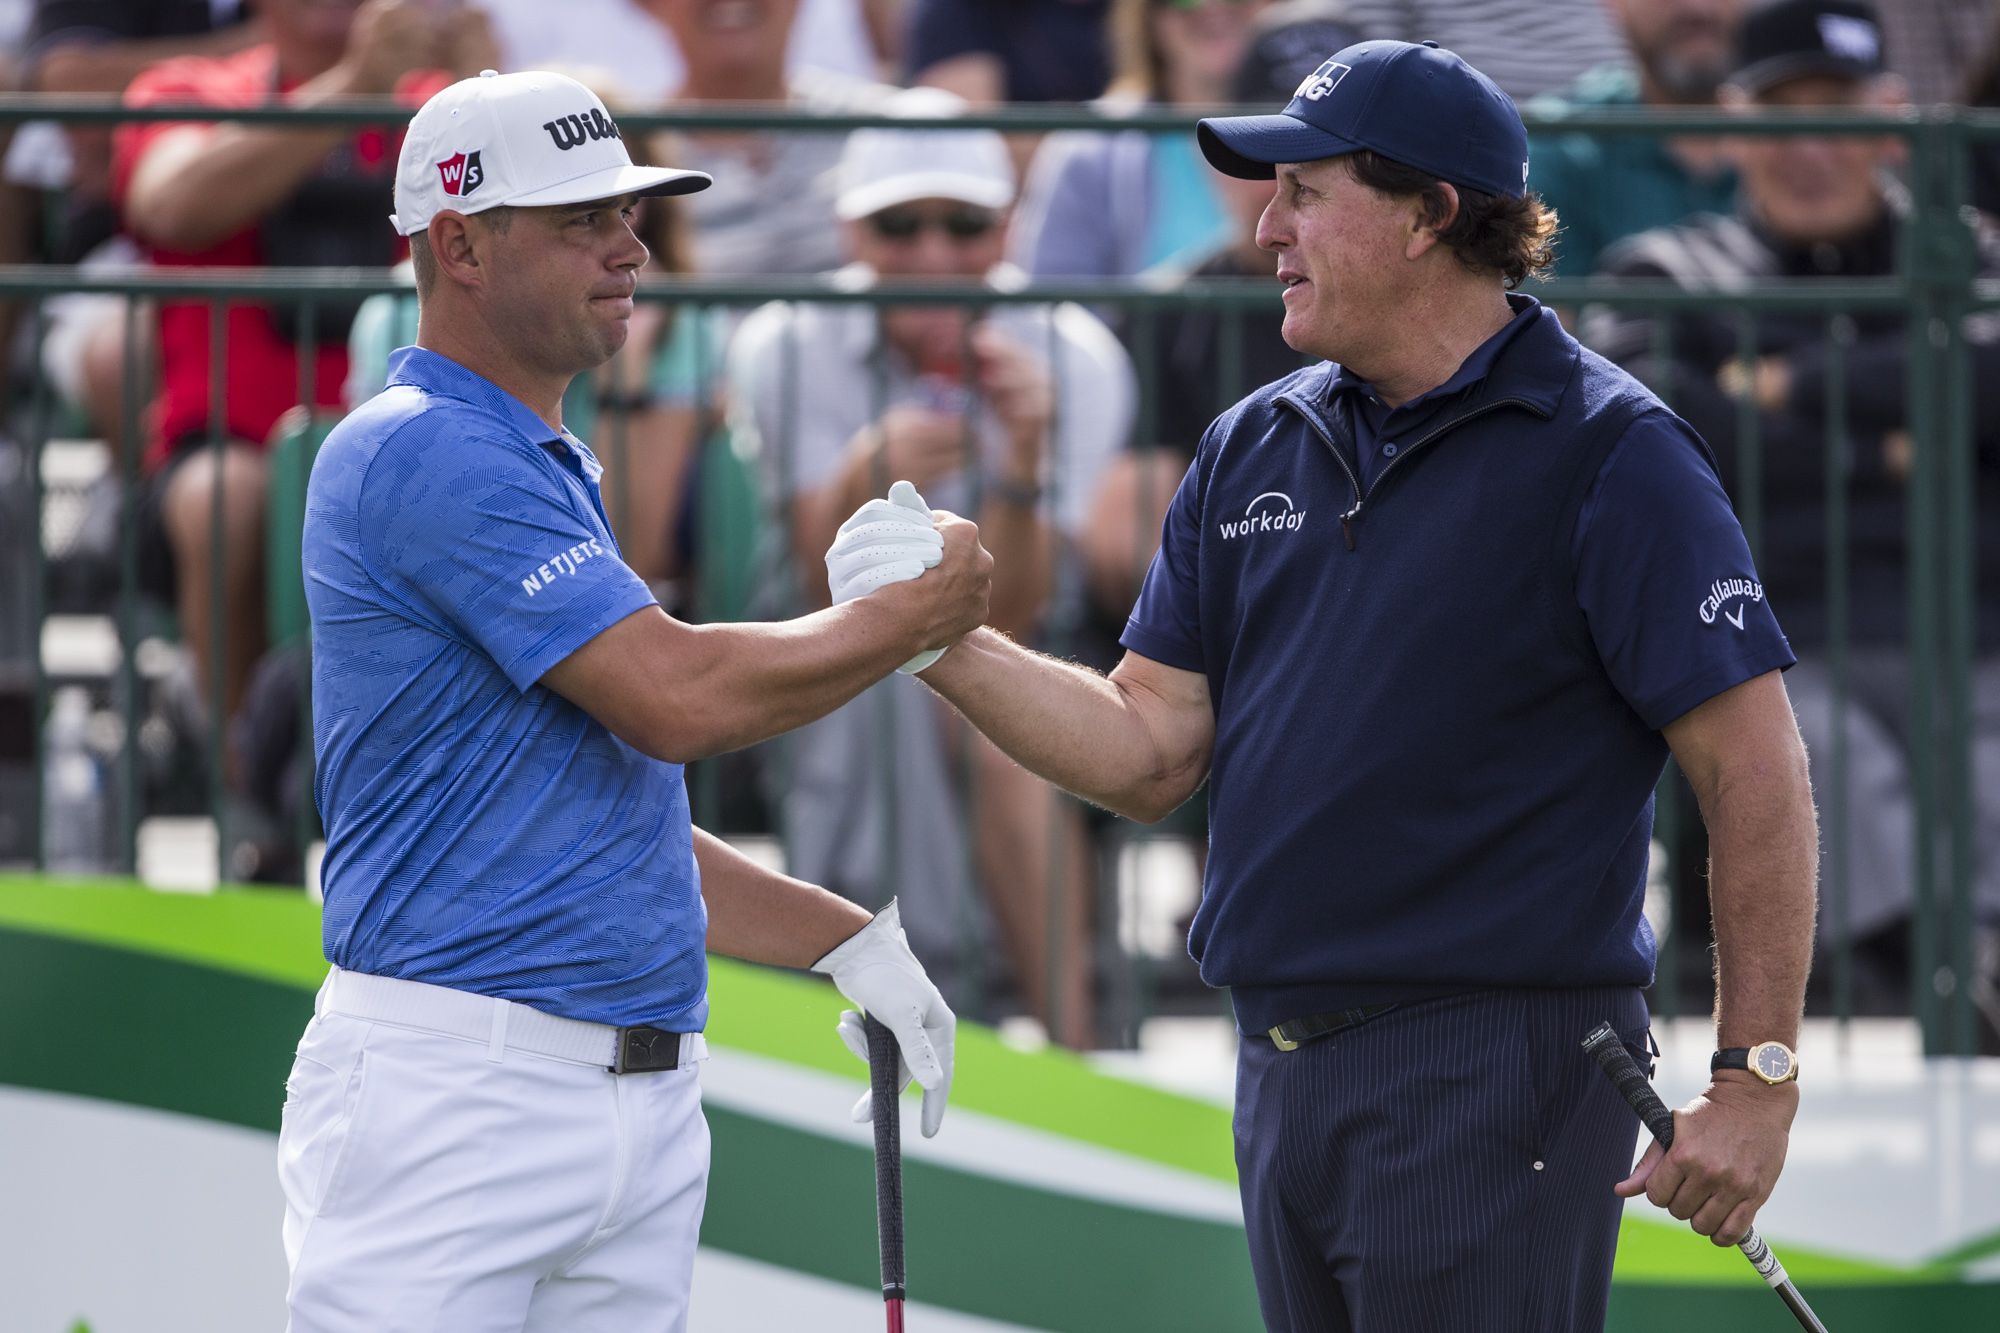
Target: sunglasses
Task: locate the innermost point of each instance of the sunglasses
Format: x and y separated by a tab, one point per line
960	224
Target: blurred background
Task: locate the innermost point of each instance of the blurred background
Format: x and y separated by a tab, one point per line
1802	256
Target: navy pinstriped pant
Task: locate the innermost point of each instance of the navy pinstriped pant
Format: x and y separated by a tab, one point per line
1445	1167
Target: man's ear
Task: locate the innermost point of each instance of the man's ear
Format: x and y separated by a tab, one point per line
457	246
1423	229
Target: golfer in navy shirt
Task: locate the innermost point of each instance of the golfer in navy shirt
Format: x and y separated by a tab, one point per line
1429	618
494	1120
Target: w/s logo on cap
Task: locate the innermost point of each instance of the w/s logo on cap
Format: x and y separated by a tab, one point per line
1321	81
569	131
461	173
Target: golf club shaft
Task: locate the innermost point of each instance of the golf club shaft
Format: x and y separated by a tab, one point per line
1623	1071
884	1064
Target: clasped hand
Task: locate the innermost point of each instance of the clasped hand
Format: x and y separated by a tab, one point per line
883	542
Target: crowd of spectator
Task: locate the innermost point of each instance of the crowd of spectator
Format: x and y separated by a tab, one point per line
1062	430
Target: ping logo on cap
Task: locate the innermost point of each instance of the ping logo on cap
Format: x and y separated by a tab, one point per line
569	131
461	174
1854	38
1322	81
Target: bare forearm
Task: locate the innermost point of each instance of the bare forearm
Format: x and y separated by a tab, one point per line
761	916
198	186
682	692
749	682
1763	869
1064	723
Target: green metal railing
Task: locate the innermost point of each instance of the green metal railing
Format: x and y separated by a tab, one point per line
1936	288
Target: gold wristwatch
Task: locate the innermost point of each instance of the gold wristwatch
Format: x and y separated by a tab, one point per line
1772	1061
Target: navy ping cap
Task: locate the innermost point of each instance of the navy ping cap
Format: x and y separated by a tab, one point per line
1790	39
1412	102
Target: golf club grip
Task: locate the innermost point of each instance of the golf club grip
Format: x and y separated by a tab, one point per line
883	1065
1623	1071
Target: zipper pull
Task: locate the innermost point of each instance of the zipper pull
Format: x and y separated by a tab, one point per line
1347	524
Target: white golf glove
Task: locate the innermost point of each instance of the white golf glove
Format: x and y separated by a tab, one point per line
874	968
885	541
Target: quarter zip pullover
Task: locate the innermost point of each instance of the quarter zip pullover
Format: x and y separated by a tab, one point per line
1435	748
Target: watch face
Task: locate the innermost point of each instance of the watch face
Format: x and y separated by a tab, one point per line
1771	1060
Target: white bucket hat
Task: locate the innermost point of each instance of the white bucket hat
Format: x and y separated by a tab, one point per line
882	166
527	139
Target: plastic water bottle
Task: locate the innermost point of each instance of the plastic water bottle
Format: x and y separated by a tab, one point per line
73	813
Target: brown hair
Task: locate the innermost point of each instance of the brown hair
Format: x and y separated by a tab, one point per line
1490	233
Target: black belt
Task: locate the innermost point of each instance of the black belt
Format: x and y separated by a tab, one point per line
643	1050
1287	1036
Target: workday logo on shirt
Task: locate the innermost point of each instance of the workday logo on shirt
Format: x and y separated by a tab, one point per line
1724	591
1270	512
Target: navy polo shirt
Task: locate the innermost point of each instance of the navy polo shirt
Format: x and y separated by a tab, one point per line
1381	431
482	832
1436	746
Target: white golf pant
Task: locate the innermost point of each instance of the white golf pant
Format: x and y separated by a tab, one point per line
453	1163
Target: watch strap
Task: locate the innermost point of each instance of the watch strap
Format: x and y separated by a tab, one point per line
1730	1057
1745	1058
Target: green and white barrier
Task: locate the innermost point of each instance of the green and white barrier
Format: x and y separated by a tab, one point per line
145	1037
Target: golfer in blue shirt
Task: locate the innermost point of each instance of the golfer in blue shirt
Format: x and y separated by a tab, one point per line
494	1120
1429	618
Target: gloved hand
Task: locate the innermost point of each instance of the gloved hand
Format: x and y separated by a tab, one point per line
885	541
874	968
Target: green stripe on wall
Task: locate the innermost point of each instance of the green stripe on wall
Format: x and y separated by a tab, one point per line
156	1032
274	935
193	1005
976	1244
1667	1252
267	933
146	1030
1932	1307
1973	1251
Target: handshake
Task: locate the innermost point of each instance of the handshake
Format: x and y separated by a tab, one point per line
897	540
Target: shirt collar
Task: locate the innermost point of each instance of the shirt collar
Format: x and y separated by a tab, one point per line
424	369
1470	371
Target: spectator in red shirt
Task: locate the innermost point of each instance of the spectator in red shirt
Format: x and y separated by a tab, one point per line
225	195
98	47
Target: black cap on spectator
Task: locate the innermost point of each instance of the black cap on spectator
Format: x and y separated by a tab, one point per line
1788	39
1288	43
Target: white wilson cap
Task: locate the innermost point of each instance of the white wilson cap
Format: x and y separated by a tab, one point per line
881	167
528	139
